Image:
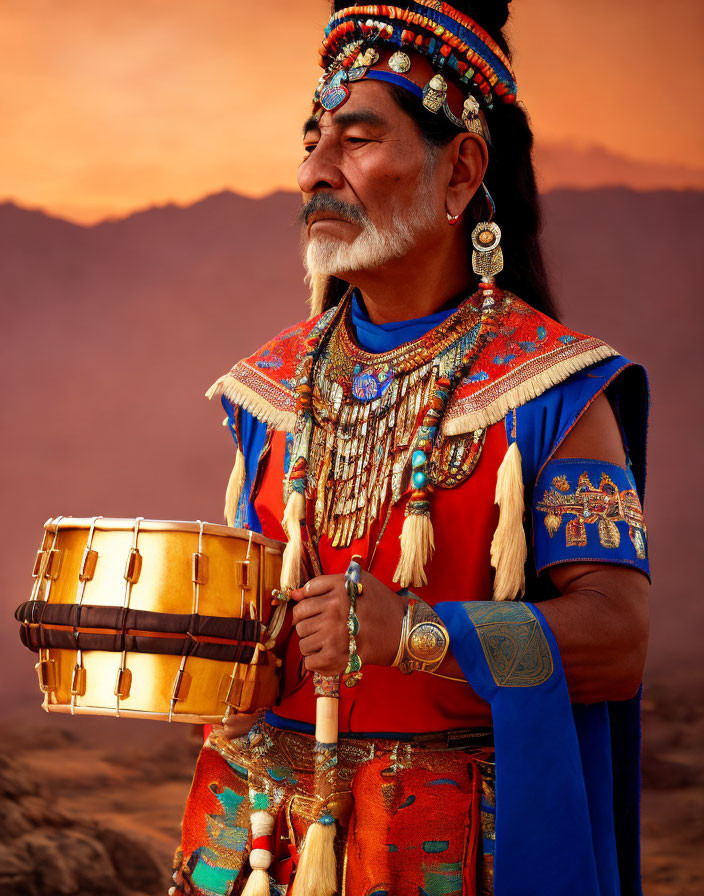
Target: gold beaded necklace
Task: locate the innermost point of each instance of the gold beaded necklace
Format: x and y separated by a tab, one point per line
366	412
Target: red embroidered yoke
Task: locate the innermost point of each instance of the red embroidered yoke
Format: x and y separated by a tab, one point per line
526	354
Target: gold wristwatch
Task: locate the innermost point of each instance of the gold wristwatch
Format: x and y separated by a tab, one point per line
424	639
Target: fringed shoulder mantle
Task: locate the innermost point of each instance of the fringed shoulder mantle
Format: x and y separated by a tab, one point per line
527	354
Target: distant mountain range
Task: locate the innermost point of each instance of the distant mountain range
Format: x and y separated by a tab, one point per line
559	165
112	333
563	165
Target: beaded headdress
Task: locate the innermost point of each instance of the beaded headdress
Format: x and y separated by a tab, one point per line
440	55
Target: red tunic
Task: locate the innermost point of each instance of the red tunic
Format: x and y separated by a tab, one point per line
529	353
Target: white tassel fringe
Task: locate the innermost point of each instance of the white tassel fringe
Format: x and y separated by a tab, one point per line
257	884
293	552
234	489
417	545
508	547
317	870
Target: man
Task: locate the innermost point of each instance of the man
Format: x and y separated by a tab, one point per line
478	459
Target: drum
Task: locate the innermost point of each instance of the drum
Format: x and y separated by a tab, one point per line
154	619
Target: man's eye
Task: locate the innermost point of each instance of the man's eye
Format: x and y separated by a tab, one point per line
357	140
309	147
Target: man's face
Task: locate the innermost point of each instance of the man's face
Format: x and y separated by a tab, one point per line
369	187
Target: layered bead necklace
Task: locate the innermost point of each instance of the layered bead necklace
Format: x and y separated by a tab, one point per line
367	427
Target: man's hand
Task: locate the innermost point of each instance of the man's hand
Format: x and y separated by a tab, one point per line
321	614
237	724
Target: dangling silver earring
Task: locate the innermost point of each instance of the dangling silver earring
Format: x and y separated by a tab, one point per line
487	257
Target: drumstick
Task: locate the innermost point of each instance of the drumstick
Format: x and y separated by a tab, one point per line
317	871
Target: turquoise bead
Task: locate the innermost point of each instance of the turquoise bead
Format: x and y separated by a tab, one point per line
260	801
420	479
418	459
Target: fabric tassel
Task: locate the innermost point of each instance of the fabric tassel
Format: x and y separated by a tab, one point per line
508	547
319	285
417	545
260	857
317	869
293	552
234	489
257	884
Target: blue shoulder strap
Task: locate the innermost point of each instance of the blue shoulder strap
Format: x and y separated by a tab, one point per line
249	435
540	425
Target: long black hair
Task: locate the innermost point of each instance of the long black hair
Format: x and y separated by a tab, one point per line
510	176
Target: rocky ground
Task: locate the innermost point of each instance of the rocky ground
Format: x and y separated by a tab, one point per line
673	792
92	807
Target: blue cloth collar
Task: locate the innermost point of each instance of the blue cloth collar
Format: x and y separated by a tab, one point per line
385	337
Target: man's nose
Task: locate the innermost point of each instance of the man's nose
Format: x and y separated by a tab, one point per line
321	170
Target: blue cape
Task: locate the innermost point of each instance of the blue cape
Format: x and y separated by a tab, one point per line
555	820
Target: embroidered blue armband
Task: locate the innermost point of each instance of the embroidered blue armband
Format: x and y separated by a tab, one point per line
587	509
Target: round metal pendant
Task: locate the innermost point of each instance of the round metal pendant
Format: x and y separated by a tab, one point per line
427	642
400	62
486	236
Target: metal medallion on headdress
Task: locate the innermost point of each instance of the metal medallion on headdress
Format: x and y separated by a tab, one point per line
470	113
400	62
434	93
362	63
334	92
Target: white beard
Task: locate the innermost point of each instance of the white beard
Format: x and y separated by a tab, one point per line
374	246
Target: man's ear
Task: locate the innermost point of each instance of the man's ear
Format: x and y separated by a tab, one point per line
469	159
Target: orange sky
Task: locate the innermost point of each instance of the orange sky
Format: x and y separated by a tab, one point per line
111	105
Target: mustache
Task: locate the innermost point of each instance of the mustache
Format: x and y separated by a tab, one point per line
324	202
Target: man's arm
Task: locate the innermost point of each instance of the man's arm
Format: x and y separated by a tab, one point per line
600	619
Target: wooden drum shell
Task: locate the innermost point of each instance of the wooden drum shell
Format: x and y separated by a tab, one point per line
167	568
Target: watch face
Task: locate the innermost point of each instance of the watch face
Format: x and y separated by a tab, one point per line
427	642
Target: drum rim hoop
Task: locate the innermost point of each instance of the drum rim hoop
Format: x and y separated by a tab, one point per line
126	524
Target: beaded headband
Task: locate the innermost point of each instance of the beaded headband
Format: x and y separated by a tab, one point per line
430	49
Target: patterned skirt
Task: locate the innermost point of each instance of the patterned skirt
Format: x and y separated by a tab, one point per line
422	818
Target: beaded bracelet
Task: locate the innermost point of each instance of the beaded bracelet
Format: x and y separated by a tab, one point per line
354	590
